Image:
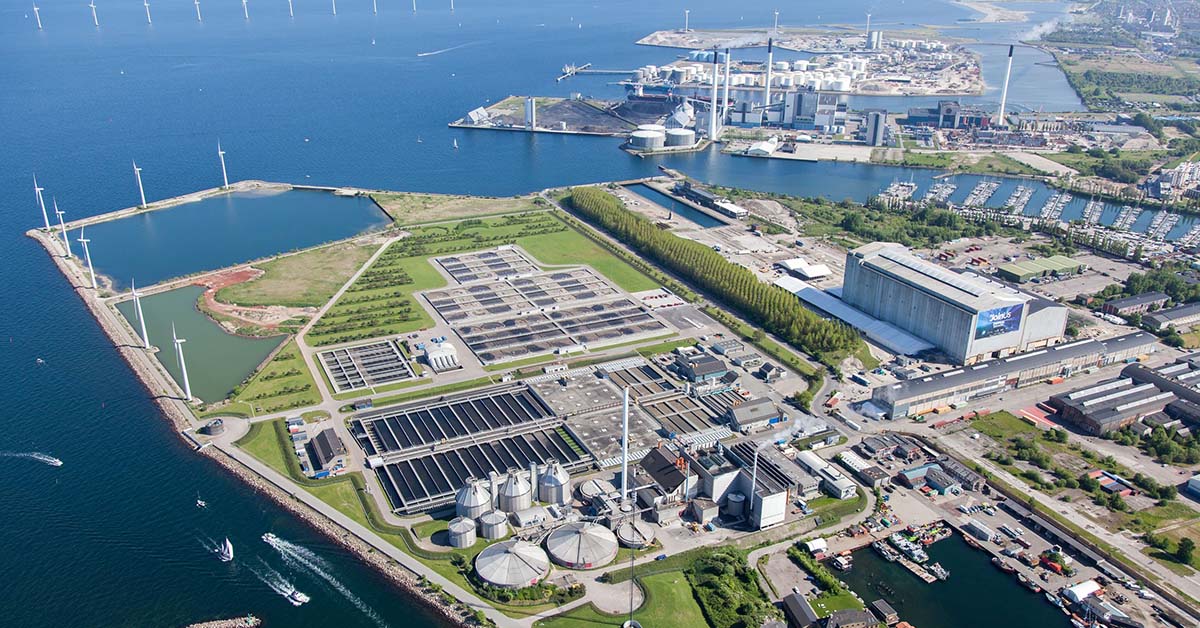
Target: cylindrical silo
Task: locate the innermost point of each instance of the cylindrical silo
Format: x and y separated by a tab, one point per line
647	139
735	505
473	499
493	525
462	532
554	487
635	534
681	137
516	493
593	488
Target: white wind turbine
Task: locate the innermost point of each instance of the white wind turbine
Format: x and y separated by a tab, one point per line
146	3
62	226
37	15
137	307
187	387
224	174
199	18
37	190
87	254
92	6
137	172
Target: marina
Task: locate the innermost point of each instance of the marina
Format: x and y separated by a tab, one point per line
982	192
1092	212
1053	208
1019	199
940	192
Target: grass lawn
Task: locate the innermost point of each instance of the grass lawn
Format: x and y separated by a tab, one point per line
825	606
1003	425
669	602
380	308
410	208
427	529
572	247
262	443
991	163
284	383
306	279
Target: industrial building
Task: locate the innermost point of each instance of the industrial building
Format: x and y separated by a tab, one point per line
949	114
1159	396
754	415
441	357
882	333
875	128
801	268
512	564
1022	271
967	317
832	481
1137	304
699	368
962	385
1182	318
325	450
869	474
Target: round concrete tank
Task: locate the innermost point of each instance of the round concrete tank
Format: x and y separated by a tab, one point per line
647	139
582	545
681	137
591	489
472	500
635	534
554	487
462	532
652	127
493	525
735	505
512	564
516	493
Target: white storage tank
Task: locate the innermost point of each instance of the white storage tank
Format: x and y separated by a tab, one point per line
644	139
593	488
735	505
493	525
635	534
462	532
516	493
582	545
512	564
652	127
473	499
680	137
554	487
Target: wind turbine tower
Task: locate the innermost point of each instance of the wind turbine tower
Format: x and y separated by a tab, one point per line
1000	120
334	6
414	6
687	13
224	175
199	18
37	15
374	7
452	6
245	9
725	96
146	3
137	307
37	190
290	12
187	387
137	172
87	254
95	20
62	227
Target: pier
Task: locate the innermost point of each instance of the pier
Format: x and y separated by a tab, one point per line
571	70
917	570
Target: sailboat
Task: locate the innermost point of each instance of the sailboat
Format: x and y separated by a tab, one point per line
200	503
455	143
225	552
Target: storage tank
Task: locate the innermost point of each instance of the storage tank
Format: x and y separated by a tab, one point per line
473	499
516	493
783	66
591	489
840	84
680	137
647	139
735	505
512	564
800	66
582	545
462	532
652	127
635	534
554	487
493	525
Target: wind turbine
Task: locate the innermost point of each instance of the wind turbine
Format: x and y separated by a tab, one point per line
62	226
686	14
290	13
224	176
137	307
414	6
87	254
334	6
37	15
37	190
245	9
137	172
776	21
187	387
95	20
374	7
146	3
452	6
198	17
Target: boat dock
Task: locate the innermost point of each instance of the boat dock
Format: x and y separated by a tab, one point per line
917	570
571	70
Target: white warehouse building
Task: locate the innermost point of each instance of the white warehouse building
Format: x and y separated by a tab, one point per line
966	316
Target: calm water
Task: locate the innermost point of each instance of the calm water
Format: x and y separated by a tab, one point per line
976	594
679	209
110	539
216	361
223	230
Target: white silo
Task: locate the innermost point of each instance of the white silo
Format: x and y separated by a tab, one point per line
473	499
493	525
516	492
680	137
461	532
644	139
554	487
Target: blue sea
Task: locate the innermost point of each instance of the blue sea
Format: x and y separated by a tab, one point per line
113	538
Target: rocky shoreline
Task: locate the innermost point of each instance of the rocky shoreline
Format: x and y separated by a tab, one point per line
447	607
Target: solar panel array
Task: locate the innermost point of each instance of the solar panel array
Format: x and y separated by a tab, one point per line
494	264
364	366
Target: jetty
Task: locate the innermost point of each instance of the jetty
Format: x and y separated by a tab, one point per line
249	621
917	570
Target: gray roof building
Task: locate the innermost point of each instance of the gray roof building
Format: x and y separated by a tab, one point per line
1182	318
799	612
326	447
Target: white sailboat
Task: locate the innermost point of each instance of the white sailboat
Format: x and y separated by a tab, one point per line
225	552
456	144
200	503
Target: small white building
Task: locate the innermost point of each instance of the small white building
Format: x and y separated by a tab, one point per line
765	148
801	268
441	356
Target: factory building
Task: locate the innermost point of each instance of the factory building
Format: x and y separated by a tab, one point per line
832	481
754	415
1109	406
967	317
700	368
962	385
869	474
1023	270
441	356
1182	318
1137	304
949	114
326	451
875	133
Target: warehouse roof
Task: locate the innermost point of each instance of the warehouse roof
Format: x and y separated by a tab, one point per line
660	464
1164	318
964	291
1137	299
882	333
754	411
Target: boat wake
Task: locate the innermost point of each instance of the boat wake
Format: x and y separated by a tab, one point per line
277	582
33	455
300	557
450	49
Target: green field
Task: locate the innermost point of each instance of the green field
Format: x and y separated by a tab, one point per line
307	279
263	443
380	302
992	163
669	602
410	208
283	383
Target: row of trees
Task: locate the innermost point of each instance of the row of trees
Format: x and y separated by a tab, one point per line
770	307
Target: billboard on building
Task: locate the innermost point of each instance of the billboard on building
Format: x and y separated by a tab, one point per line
998	321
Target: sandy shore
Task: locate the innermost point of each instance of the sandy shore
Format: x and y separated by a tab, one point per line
992	13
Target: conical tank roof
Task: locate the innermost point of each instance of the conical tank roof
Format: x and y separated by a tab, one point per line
474	494
515	485
554	475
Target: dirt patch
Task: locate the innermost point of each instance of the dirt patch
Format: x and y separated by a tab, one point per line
235	317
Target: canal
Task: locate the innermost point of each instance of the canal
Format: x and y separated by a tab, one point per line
976	594
682	210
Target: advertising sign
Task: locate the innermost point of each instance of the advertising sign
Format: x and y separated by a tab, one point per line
998	321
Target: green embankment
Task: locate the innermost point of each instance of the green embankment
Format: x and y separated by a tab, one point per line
284	383
669	602
307	279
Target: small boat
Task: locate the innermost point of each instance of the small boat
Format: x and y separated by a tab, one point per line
269	538
225	552
939	572
41	361
1003	565
456	144
419	140
200	503
297	598
1077	624
1053	599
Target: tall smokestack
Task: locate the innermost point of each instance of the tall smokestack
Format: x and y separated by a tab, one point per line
725	99
712	109
1004	91
767	91
624	442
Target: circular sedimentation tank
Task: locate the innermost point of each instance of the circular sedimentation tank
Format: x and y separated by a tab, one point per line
594	488
512	564
635	534
582	545
461	532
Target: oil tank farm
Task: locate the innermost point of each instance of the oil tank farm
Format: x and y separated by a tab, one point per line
424	452
461	532
647	140
582	545
512	564
680	137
